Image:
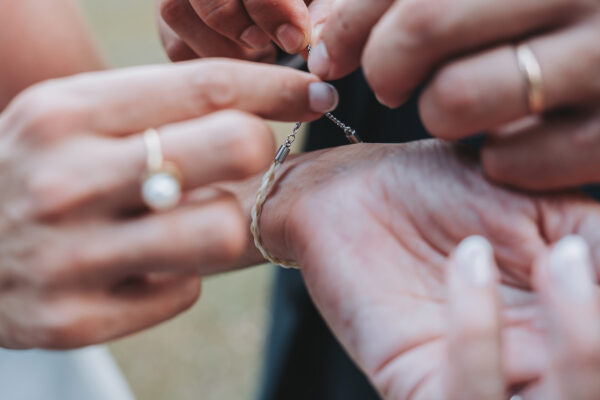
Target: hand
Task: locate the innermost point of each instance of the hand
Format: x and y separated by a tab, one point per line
233	28
82	260
372	227
568	297
463	53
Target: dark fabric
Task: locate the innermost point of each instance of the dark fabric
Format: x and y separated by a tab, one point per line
304	361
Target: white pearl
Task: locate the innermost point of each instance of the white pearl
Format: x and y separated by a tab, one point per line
161	191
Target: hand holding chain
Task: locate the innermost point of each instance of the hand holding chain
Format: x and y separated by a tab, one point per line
268	182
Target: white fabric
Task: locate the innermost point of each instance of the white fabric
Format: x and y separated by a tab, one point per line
87	374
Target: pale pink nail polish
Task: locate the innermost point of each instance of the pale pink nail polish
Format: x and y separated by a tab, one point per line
475	260
571	268
322	97
318	61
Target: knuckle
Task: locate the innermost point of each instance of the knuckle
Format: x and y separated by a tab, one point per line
50	191
249	149
51	266
46	111
213	90
422	21
216	12
171	11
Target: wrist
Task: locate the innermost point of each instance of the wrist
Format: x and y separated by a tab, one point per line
279	224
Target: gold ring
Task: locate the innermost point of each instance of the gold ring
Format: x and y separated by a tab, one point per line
161	183
532	72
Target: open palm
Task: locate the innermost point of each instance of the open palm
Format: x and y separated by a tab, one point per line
373	226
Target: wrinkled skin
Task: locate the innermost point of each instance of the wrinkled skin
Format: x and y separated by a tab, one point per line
372	227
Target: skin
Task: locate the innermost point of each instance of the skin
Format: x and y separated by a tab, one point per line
564	280
82	293
83	260
28	50
372	227
462	54
215	28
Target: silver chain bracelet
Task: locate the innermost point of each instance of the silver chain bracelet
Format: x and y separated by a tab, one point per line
269	180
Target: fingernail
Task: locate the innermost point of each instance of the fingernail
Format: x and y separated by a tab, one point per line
318	61
322	97
316	32
475	261
290	37
255	38
571	268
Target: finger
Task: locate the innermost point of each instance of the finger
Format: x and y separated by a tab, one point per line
568	291
181	17
286	21
92	318
178	51
415	36
127	101
225	146
558	152
343	36
205	235
176	48
474	347
486	90
319	11
230	19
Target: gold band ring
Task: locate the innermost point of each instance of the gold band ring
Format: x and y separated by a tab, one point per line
532	72
161	183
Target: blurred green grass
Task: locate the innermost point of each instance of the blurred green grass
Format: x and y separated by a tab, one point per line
212	352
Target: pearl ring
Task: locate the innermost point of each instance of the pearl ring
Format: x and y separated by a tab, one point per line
161	183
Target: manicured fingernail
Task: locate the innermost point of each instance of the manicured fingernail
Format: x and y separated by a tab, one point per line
322	97
571	268
255	38
290	37
318	61
475	260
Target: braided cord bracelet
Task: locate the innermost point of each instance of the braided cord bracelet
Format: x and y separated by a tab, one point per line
269	180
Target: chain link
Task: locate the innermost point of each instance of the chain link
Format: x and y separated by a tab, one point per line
289	141
269	180
285	148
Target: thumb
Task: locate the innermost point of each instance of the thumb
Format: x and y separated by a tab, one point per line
319	11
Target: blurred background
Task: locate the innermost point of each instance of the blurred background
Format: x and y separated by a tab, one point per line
214	351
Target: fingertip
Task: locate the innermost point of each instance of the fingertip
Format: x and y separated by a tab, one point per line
323	97
319	62
570	269
474	261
